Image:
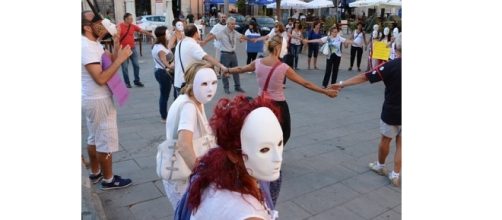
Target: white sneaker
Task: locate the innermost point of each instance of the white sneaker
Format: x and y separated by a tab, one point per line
380	170
395	180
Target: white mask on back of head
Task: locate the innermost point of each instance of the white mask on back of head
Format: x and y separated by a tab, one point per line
109	26
375	34
375	27
262	144
205	85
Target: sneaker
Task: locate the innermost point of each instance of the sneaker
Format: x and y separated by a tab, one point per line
395	180
128	85
227	91
377	169
139	84
359	69
116	183
95	178
240	90
350	68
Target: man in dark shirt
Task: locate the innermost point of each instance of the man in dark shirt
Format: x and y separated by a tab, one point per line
390	123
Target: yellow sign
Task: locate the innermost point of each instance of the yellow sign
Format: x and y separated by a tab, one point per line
380	51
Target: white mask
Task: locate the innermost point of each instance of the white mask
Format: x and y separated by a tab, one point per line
375	34
386	31
375	27
109	26
261	141
395	32
179	26
205	85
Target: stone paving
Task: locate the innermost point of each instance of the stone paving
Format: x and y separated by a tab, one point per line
325	162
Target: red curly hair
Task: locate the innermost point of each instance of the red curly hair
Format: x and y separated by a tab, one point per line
224	165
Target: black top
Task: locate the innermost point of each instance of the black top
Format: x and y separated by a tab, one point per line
390	73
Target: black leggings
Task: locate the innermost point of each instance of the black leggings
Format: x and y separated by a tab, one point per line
275	186
353	52
251	57
332	65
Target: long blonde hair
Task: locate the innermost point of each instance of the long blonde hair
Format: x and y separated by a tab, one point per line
190	76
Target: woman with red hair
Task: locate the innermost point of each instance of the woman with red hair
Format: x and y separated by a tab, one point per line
226	180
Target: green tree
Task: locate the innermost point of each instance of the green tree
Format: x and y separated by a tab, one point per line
241	7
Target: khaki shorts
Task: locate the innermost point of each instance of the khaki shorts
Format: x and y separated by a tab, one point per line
101	118
390	131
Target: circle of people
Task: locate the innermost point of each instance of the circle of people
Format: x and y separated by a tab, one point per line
235	157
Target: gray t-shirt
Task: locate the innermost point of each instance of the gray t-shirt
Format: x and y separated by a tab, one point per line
228	39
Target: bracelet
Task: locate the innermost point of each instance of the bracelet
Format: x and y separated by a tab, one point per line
341	83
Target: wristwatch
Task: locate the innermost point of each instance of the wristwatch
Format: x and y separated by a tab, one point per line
341	84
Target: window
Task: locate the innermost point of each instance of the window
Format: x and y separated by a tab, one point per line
149	18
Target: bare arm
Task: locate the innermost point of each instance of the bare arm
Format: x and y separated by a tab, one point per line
101	76
292	75
172	41
145	32
305	41
162	56
242	69
357	79
262	38
209	37
185	146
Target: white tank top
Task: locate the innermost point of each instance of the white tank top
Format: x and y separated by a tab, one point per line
222	204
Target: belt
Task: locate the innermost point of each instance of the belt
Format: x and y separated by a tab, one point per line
228	52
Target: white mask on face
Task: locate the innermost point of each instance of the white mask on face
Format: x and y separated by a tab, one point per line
109	26
386	31
261	141
375	34
205	85
179	26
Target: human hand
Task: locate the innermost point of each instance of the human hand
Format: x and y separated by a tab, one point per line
336	86
331	93
124	53
116	37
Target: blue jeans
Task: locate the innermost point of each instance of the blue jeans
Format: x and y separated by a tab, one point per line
135	65
295	49
165	83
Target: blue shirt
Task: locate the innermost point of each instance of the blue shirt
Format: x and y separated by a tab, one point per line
312	36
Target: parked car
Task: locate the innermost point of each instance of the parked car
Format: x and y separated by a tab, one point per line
265	24
240	24
149	22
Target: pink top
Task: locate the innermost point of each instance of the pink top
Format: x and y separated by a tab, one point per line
275	90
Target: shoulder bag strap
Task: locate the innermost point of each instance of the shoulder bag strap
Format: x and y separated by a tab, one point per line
122	38
179	53
265	87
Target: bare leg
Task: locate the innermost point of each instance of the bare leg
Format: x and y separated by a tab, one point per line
105	160
383	149
93	160
308	63
397	155
315	62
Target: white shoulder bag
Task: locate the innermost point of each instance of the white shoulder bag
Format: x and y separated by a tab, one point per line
170	164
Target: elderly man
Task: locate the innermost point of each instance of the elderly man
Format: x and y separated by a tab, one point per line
390	119
187	52
228	38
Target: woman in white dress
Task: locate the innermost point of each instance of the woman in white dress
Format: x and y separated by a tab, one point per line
200	88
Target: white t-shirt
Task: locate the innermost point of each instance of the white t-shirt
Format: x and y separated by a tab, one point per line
358	39
190	51
222	204
188	118
335	44
92	51
296	34
217	29
155	55
284	48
